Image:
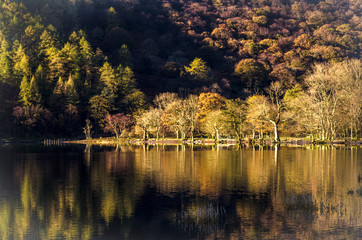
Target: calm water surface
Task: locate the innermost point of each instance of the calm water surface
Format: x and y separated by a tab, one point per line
175	192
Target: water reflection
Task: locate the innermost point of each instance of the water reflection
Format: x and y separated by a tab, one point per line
175	191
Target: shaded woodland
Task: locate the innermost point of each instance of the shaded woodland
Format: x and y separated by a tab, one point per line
232	68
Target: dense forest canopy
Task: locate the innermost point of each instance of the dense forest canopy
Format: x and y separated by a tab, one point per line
65	61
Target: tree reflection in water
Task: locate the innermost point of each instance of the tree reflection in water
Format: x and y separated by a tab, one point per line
199	192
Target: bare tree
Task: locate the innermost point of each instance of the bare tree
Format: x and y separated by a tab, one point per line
155	115
214	123
117	123
275	107
191	104
175	116
143	121
256	108
162	100
335	90
87	129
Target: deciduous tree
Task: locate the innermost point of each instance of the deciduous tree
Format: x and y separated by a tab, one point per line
117	123
198	70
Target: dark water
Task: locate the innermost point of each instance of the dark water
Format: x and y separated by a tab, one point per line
137	192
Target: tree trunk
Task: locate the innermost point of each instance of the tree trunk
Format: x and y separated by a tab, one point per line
276	132
238	136
144	134
253	130
182	135
261	132
192	134
351	131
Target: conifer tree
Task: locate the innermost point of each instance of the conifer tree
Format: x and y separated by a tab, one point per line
24	95
29	92
125	57
21	63
59	87
56	63
86	51
108	77
70	92
35	97
44	88
125	77
57	99
72	58
5	65
47	41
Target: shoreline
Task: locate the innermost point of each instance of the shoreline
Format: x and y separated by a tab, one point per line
174	141
171	141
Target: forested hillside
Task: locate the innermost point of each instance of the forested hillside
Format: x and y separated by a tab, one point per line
65	61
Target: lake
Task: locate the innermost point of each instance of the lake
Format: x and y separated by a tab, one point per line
176	192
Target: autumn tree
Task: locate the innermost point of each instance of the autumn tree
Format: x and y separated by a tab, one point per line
175	117
235	116
117	123
351	71
256	105
251	73
274	109
33	117
162	100
214	123
207	103
155	115
143	121
198	70
192	109
302	112
330	87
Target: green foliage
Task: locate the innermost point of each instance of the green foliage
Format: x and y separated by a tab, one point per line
21	63
24	94
29	92
70	92
5	66
136	101
198	70
108	77
99	109
126	79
